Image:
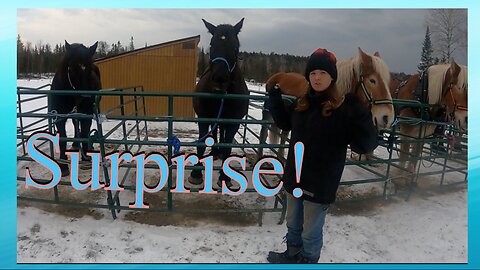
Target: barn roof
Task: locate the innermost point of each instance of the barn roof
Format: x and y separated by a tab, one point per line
144	49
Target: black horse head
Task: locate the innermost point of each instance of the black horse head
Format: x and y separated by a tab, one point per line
224	47
79	67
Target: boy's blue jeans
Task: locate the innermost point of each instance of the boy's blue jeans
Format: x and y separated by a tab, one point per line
305	222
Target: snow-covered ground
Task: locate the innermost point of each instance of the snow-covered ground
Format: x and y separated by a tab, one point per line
431	226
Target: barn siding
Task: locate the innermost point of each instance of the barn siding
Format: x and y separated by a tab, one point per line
167	67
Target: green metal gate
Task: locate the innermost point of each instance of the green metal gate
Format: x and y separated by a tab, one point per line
133	132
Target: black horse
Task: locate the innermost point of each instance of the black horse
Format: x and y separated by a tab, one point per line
223	76
76	72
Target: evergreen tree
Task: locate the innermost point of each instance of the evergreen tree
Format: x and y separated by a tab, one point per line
426	59
103	48
21	65
202	64
120	48
131	47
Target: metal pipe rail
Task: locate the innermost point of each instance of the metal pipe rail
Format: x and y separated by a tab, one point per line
107	141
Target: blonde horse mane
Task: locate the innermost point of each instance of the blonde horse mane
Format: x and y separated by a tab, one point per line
436	76
349	69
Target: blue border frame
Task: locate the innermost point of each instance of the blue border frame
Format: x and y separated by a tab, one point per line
7	110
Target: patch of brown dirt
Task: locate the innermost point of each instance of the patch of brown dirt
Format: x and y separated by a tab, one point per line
364	207
194	216
67	211
66	194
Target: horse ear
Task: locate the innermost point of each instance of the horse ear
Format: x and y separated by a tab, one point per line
377	54
67	45
238	26
211	28
454	69
93	48
454	65
366	63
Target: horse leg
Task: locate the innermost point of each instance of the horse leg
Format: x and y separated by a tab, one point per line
218	151
76	129
283	139
404	152
263	133
85	125
196	176
369	157
416	152
215	152
404	155
229	133
60	124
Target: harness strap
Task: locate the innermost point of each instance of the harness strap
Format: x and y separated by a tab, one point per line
226	62
455	106
368	96
176	143
69	80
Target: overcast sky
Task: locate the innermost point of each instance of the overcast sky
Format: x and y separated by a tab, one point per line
396	33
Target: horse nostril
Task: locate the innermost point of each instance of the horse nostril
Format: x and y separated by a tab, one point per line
385	120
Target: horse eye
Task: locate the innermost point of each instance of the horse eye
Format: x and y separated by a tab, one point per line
373	81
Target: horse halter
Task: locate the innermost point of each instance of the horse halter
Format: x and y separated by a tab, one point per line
69	80
226	62
368	96
455	106
83	67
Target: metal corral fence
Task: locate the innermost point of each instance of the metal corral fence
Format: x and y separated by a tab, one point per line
441	154
135	132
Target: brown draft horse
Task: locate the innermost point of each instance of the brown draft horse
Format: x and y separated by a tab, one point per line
365	75
447	86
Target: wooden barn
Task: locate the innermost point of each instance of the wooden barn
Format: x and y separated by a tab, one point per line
166	67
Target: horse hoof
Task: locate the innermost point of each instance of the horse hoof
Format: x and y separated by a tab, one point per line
227	182
266	166
438	149
195	180
85	165
63	162
65	170
217	155
75	147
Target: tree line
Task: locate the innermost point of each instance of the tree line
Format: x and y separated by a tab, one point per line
446	33
35	60
258	66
